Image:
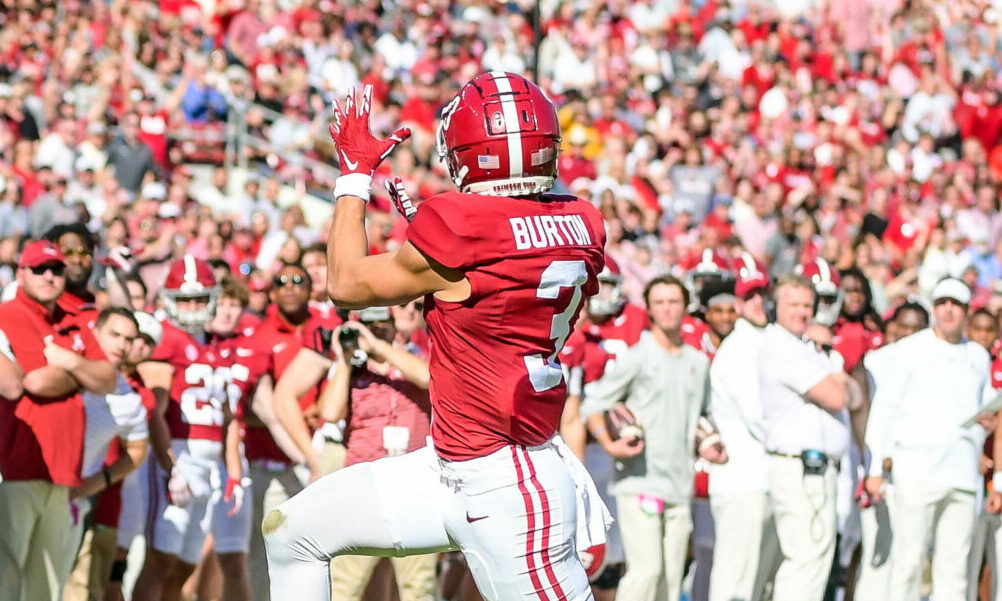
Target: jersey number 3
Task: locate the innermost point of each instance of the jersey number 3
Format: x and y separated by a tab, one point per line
545	372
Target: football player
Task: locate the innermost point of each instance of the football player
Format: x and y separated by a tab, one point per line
504	268
190	461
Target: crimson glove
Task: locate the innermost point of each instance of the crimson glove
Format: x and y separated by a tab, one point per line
400	198
235	493
358	151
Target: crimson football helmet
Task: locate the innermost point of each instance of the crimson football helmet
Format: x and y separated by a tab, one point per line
709	269
190	278
828	296
610	299
750	276
500	135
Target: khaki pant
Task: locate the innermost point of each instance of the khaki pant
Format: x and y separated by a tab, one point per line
924	511
804	509
655	548
34	527
270	489
93	566
415	576
875	550
987	546
746	549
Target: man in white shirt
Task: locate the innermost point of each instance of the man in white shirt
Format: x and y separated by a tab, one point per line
109	416
874	520
804	395
746	545
925	418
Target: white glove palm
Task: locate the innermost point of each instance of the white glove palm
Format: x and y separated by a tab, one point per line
178	489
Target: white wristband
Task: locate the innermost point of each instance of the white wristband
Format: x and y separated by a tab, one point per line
353	184
997	481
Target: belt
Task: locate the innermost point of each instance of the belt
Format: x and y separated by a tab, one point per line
835	463
272	465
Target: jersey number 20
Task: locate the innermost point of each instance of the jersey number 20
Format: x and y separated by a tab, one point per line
545	372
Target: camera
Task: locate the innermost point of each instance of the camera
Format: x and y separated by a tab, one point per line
348	339
322	341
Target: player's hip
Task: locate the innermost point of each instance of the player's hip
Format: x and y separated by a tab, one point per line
508	466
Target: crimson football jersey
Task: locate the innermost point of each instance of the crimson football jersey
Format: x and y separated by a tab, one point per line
592	348
495	376
200	385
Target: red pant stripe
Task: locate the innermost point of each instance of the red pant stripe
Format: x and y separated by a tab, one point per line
530	513
545	502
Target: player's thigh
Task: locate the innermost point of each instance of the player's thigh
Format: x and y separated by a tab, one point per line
515	521
394	506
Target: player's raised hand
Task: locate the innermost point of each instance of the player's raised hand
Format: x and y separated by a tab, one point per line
400	198
358	151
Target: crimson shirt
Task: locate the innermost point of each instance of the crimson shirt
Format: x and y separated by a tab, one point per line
853	341
384	400
495	378
42	438
276	343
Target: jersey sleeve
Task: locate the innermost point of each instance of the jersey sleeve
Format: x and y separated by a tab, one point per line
439	231
167	349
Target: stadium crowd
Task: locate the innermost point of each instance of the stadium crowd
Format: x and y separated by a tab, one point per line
855	142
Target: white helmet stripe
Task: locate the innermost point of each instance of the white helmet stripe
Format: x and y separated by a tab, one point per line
824	271
510	119
190	269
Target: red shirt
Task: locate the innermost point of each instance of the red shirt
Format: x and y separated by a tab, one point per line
82	307
153	131
853	340
378	401
277	342
41	438
495	380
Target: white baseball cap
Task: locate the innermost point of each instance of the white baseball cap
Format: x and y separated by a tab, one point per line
953	289
149	327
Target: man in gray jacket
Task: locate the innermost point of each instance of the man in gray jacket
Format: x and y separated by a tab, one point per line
665	385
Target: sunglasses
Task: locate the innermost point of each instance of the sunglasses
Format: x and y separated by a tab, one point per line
76	252
284	280
56	269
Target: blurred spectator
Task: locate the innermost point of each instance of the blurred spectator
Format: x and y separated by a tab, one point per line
804	395
53	208
935	461
130	157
